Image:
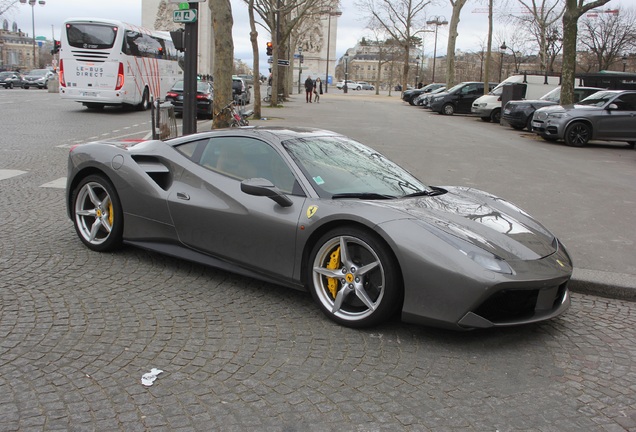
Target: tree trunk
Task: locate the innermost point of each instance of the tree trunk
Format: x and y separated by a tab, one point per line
452	40
256	75
223	59
488	49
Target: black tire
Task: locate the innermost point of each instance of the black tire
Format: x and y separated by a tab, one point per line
367	286
145	101
578	134
485	119
495	115
631	144
517	127
448	109
549	138
529	124
94	106
9	86
25	87
97	214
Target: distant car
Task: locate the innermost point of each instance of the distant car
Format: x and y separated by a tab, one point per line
606	115
205	98
458	99
11	79
351	85
241	91
410	95
37	78
365	86
518	114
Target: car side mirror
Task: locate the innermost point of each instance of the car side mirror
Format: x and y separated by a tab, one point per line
612	106
265	188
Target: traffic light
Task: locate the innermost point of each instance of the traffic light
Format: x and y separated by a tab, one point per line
178	39
270	46
56	47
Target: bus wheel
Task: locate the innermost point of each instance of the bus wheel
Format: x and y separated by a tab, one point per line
145	101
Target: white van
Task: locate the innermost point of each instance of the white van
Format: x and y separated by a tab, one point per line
488	107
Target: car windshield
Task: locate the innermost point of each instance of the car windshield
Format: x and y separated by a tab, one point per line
552	96
598	99
5	74
38	72
339	167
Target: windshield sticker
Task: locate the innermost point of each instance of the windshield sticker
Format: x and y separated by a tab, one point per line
311	210
319	180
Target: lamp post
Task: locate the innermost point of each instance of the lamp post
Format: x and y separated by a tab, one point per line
417	71
32	4
331	13
346	59
300	66
438	21
502	49
624	61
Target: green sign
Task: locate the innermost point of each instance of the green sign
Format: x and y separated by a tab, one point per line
184	16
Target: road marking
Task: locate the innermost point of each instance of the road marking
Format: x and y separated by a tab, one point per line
7	173
57	184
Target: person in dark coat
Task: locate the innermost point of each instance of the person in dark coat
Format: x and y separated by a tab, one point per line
309	89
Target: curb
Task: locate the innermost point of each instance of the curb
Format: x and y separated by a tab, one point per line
604	284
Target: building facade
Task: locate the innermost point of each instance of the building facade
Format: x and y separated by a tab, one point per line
16	49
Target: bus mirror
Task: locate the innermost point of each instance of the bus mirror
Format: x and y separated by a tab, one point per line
178	39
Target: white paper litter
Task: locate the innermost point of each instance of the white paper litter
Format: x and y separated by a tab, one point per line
148	378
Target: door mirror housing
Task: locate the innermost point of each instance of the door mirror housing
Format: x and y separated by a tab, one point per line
265	188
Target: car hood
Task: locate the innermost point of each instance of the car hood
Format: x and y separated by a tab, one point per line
484	220
569	108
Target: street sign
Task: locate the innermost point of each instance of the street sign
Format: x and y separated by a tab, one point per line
283	62
184	16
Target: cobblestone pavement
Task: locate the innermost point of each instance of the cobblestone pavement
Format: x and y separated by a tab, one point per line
78	330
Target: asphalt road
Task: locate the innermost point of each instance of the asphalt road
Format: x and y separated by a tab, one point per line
78	329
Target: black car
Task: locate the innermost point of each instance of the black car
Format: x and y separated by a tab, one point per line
205	97
11	79
410	95
518	114
460	98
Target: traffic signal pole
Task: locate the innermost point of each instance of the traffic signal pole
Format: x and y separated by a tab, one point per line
190	75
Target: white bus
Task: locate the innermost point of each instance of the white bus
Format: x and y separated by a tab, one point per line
108	62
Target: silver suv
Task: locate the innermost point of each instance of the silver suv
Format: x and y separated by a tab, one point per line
606	115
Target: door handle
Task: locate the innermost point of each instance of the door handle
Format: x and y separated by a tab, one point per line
183	196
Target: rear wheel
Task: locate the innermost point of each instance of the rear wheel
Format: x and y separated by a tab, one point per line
97	214
578	134
486	119
145	101
354	277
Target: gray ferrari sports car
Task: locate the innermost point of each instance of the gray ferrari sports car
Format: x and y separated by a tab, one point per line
315	210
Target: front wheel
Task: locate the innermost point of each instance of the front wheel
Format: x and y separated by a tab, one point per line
577	134
354	278
448	109
495	115
97	214
485	119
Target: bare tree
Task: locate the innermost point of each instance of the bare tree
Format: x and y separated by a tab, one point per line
222	22
608	35
452	40
574	9
256	64
403	21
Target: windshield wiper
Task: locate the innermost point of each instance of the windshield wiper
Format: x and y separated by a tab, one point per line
432	192
362	195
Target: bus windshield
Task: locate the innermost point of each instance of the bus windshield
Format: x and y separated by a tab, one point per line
91	36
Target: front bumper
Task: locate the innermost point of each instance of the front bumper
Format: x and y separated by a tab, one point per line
481	111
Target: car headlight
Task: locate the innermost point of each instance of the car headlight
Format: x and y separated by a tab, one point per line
558	115
487	260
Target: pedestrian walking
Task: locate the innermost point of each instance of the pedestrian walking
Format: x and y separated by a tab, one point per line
309	89
317	90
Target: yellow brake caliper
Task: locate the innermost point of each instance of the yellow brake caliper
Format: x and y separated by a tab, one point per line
334	263
111	216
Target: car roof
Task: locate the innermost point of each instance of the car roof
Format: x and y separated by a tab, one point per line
269	133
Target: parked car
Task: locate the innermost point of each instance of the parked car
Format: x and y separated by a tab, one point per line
205	97
518	114
241	91
362	235
10	79
365	86
458	99
37	78
351	85
605	115
424	100
410	95
488	107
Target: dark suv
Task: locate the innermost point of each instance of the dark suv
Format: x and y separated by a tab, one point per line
460	98
241	91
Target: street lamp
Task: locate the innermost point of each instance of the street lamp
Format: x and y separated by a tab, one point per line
32	4
417	71
438	21
502	49
331	13
624	61
300	65
346	59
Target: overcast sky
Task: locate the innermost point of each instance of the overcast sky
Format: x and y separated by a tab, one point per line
351	28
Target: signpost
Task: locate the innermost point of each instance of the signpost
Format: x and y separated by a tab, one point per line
184	16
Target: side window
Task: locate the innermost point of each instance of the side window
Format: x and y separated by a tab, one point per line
242	158
626	102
